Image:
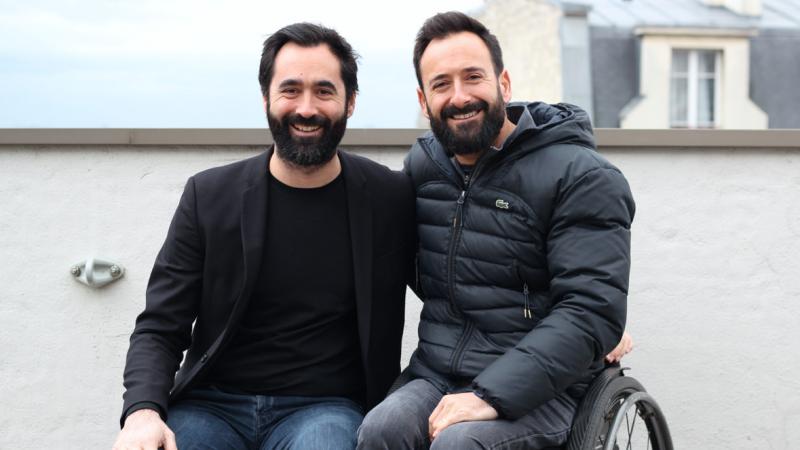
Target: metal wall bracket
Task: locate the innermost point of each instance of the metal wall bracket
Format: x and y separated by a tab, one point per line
96	272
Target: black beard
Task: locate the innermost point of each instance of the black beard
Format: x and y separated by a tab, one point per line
469	138
310	151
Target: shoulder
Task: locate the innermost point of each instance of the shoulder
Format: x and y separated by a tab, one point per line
222	184
566	174
416	155
573	158
390	191
376	174
238	170
566	164
582	181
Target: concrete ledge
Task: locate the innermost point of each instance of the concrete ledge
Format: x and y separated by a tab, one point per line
373	137
733	139
384	137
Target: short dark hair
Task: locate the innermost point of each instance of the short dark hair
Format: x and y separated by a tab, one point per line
307	34
444	24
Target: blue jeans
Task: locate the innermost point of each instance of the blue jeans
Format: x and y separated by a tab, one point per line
208	418
400	422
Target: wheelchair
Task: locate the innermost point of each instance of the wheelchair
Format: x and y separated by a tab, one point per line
608	415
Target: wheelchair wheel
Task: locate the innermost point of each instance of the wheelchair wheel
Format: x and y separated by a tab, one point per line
617	413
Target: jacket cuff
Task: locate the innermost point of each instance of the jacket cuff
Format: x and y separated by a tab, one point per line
143	405
483	394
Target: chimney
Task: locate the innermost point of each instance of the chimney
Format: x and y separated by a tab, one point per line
750	8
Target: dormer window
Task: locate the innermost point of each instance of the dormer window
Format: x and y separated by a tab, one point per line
694	88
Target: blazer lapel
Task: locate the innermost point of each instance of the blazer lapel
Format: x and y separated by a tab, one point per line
254	219
359	209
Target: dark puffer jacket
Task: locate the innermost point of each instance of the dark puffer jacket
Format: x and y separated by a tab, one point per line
523	267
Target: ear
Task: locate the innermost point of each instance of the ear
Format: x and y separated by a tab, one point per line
351	105
423	104
264	98
505	86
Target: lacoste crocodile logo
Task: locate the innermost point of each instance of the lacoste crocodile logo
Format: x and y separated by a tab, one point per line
500	203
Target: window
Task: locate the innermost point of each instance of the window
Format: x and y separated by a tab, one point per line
694	88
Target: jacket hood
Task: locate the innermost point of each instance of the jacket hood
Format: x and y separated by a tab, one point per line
541	124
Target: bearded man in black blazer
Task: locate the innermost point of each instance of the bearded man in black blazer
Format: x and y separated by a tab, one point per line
283	275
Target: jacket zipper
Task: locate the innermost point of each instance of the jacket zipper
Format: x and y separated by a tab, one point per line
458	222
451	252
455	362
526	309
458	353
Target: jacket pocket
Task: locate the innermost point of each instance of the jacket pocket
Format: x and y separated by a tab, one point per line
535	304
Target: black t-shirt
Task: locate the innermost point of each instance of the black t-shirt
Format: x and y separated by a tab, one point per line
299	335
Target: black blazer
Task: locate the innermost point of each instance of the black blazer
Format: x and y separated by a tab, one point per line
211	258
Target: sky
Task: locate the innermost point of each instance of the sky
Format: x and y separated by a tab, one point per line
190	63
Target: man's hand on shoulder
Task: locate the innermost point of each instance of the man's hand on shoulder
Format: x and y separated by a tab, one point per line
454	408
144	429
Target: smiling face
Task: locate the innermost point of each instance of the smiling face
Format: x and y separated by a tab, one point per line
307	107
461	95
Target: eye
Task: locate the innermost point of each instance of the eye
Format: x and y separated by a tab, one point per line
439	85
325	92
290	91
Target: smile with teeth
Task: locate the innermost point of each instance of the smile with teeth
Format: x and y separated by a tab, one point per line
464	116
306	128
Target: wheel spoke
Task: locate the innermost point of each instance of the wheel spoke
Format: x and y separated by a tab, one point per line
620	403
631	425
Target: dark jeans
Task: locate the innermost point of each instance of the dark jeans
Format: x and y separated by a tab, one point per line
401	422
207	418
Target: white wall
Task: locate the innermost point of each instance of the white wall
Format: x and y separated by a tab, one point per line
714	293
713	307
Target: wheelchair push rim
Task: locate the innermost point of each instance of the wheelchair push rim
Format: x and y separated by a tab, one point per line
618	413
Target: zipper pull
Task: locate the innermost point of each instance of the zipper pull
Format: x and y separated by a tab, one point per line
526	310
460	203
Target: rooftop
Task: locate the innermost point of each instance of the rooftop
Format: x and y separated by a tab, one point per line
777	14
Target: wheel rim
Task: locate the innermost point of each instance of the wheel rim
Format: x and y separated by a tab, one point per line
633	430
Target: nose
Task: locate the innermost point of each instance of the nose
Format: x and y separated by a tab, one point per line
306	106
461	96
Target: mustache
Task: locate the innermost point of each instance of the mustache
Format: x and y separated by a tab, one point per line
315	120
451	110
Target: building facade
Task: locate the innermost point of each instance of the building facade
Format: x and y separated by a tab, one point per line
728	64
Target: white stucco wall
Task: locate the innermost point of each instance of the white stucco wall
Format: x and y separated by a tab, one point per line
714	303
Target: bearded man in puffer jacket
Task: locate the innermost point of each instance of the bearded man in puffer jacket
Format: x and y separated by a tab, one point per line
523	261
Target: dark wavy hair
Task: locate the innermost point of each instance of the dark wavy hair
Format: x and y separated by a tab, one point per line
444	24
309	35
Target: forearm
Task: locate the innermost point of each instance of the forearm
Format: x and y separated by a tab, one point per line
548	360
